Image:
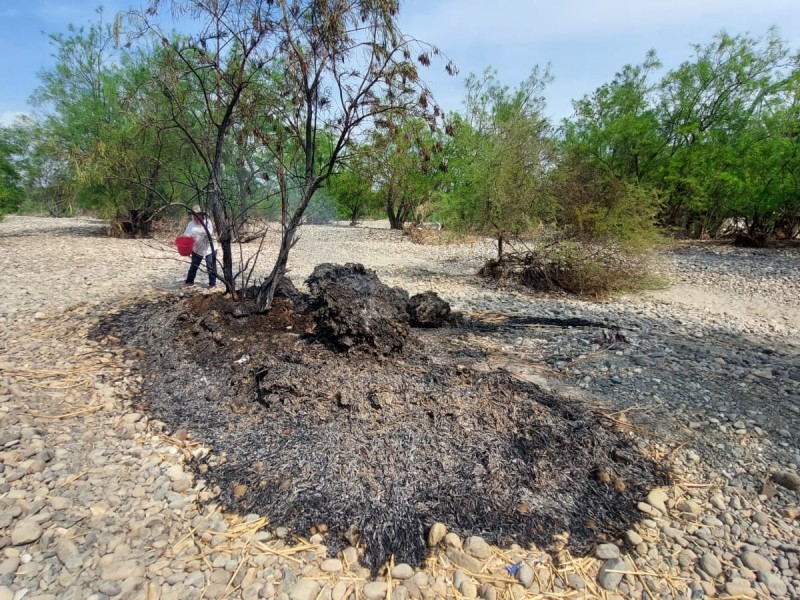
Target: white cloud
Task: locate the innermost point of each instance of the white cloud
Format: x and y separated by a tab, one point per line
9	116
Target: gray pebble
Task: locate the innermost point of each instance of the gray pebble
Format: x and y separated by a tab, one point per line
611	573
711	565
331	565
756	562
740	587
774	584
375	590
403	571
25	532
477	547
606	551
308	589
525	575
575	581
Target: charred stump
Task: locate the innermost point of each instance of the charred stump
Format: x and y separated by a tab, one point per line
355	310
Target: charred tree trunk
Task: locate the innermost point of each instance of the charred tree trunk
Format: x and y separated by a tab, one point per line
284	190
266	293
224	227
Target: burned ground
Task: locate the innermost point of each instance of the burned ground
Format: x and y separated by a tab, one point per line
381	445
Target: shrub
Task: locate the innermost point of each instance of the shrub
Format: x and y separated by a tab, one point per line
574	268
598	241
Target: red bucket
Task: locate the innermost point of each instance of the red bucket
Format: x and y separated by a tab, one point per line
184	244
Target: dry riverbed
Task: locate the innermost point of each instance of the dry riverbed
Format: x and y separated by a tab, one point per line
95	501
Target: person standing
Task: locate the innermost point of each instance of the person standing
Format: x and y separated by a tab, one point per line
201	230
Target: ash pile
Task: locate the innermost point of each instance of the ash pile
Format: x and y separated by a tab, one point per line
370	427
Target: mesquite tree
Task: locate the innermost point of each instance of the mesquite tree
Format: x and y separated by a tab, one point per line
204	78
345	65
499	157
304	79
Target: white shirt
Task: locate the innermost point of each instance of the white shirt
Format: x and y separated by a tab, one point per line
202	243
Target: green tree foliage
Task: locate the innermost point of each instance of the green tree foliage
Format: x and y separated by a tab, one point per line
597	207
98	146
498	159
352	187
13	145
75	102
730	148
407	164
617	127
714	138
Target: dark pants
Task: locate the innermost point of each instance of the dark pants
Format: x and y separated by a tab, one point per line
211	265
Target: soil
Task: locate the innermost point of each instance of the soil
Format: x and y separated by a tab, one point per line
375	448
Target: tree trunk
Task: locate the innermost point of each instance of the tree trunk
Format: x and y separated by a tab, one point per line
395	222
266	292
225	231
140	222
395	216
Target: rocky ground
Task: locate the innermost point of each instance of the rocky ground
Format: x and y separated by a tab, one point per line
95	501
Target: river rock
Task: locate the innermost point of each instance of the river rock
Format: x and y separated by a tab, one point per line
25	532
791	481
436	534
711	564
606	551
304	589
611	573
375	590
464	560
477	547
331	565
756	562
403	571
774	584
740	587
525	575
657	498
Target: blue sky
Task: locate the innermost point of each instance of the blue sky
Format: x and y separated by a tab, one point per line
586	42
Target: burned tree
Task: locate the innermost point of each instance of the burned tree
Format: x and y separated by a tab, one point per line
346	66
205	78
298	79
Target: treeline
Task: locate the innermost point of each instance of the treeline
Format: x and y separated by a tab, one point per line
707	149
278	111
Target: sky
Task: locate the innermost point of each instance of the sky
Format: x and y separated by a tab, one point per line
585	42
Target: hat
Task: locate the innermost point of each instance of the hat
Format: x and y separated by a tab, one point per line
196	208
